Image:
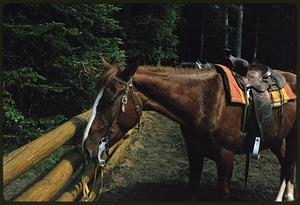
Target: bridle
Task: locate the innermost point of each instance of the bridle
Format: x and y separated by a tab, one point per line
107	141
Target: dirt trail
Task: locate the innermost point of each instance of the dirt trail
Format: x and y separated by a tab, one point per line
155	168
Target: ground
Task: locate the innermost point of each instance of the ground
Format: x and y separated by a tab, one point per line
155	168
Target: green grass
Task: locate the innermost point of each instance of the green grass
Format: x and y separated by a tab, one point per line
49	162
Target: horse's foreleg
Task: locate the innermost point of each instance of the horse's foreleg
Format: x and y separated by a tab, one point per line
196	160
225	166
196	166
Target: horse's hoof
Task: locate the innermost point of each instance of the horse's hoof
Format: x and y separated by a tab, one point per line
290	197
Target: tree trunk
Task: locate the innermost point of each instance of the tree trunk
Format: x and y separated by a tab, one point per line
158	62
256	40
239	30
202	33
226	26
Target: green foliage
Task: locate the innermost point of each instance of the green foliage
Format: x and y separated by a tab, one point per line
27	78
11	114
51	60
150	32
47	164
19	129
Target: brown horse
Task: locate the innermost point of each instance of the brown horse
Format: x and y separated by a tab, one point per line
196	100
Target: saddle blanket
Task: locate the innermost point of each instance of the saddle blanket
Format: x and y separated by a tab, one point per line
237	95
286	93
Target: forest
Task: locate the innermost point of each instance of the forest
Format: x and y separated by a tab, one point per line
51	51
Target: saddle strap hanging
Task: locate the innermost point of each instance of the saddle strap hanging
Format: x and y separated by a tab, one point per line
244	135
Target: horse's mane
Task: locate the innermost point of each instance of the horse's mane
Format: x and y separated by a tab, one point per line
178	69
110	73
113	70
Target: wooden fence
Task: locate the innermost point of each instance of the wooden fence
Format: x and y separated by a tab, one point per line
60	179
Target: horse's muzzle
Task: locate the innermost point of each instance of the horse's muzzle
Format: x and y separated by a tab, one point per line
90	151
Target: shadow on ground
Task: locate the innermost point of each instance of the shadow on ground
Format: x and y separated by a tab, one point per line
174	192
155	168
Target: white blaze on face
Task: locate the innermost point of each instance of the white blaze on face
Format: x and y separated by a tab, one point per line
92	117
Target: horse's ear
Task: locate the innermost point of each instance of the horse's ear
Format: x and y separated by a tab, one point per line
105	63
127	73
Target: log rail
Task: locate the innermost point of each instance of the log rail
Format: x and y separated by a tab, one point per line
59	180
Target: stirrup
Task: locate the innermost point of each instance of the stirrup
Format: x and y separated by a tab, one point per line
255	153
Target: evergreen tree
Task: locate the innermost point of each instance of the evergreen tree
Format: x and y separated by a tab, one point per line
51	59
150	32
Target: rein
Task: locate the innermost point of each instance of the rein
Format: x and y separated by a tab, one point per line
105	142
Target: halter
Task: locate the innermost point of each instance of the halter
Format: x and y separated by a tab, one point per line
106	141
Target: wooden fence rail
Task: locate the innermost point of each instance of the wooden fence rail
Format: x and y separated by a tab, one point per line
22	159
54	181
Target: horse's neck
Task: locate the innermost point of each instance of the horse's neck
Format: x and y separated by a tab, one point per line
169	93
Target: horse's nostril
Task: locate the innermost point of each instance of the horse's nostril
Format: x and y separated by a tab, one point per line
91	155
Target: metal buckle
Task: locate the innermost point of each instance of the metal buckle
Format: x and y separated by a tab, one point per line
124	102
137	108
124	99
243	134
101	149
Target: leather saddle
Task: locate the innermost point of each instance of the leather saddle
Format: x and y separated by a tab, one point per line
237	65
257	81
257	76
262	78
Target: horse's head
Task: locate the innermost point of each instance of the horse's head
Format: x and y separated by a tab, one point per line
116	110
